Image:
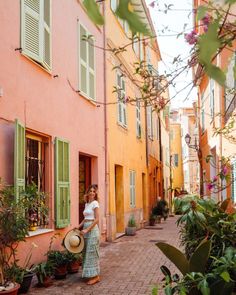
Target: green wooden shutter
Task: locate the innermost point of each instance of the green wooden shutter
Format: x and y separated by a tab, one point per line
83	60
19	158
62	183
31	35
47	35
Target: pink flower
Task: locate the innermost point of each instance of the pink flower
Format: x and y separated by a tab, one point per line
214	179
206	21
224	170
191	38
210	186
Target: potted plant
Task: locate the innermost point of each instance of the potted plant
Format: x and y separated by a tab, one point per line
131	228
22	276
36	207
13	230
74	261
152	219
44	272
60	261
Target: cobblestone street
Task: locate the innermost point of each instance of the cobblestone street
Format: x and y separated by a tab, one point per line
129	266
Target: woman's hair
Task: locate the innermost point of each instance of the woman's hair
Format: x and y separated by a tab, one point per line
95	187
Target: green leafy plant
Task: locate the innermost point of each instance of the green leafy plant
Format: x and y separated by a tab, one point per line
13	230
43	270
57	258
72	257
132	222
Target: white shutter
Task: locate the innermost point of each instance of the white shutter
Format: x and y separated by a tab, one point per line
86	64
119	95
133	188
138	119
47	61
31	33
91	68
123	104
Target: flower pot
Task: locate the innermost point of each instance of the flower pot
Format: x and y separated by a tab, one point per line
159	219
60	272
73	266
47	282
12	291
130	231
152	222
25	285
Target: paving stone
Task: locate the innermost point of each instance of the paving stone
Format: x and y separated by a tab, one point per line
129	265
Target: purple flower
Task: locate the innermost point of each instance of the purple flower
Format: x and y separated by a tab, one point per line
191	38
152	4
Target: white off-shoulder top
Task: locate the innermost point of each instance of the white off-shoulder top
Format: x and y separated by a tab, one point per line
89	210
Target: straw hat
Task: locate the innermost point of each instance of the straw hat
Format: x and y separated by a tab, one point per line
74	241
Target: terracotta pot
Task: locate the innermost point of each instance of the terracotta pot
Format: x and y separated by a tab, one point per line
13	291
152	222
47	282
73	267
60	272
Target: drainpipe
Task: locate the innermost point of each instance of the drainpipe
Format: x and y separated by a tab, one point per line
107	216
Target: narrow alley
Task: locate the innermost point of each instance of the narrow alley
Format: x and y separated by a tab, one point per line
129	266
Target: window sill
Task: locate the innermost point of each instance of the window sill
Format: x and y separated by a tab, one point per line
85	97
36	63
39	231
124	127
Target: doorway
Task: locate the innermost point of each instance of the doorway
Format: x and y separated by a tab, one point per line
119	199
84	181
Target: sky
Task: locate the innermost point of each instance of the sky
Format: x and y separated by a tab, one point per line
170	46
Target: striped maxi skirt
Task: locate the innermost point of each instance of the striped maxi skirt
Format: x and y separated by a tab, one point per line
91	267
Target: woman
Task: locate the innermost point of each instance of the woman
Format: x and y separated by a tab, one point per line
91	267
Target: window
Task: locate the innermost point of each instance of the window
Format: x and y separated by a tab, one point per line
138	119
30	160
233	182
212	98
122	116
149	122
141	54
132	175
114	5
176	160
203	118
36	31
230	97
158	128
135	44
86	64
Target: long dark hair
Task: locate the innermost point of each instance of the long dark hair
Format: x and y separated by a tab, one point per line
95	187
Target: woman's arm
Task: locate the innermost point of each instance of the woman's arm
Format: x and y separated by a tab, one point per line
96	220
81	224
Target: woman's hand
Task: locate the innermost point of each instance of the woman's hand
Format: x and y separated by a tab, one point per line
84	231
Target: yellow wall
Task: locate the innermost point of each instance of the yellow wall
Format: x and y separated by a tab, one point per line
124	148
176	148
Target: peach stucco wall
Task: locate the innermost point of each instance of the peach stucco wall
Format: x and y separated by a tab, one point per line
49	105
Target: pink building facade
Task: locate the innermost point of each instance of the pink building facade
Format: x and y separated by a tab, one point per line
51	112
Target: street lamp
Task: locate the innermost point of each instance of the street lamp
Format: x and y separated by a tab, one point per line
196	147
